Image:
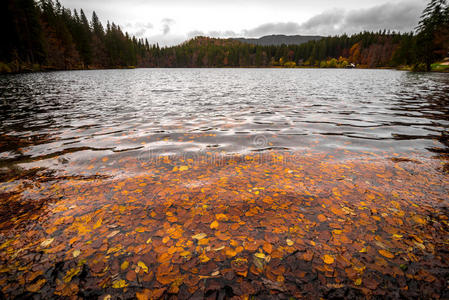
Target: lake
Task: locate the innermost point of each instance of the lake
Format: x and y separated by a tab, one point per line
224	182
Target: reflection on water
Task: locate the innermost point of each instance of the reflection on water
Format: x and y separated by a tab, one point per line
55	115
224	182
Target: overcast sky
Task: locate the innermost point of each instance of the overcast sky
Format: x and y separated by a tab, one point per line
170	22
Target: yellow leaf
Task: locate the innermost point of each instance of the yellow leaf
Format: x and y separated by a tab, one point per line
183	168
71	273
363	250
289	242
358	281
221	217
143	266
47	243
337	231
114	249
185	253
119	284
76	253
37	286
214	225
328	259
203	258
397	236
260	255
199	236
124	265
359	269
98	224
386	253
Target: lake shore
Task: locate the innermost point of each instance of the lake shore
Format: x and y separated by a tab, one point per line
6	69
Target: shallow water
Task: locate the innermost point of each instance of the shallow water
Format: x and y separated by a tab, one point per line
277	168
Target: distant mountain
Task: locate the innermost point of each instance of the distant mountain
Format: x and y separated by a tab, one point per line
279	39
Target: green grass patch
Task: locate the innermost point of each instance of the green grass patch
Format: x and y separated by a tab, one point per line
440	67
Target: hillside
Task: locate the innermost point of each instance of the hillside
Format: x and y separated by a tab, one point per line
279	39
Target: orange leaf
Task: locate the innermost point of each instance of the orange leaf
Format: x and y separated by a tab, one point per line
386	253
214	225
328	259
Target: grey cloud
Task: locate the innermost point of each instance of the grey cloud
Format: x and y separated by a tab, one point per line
402	16
140	33
325	20
272	28
166	24
195	33
214	33
138	29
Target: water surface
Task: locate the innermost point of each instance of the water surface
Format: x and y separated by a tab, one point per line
45	115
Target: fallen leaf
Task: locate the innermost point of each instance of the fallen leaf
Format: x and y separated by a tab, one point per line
76	253
124	265
144	295
47	242
143	266
328	259
214	225
199	236
119	284
113	233
386	253
36	287
230	252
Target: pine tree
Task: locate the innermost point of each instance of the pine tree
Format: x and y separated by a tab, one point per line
432	32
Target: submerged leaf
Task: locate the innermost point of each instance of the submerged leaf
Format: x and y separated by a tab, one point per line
47	242
119	284
199	236
214	225
328	259
386	253
36	287
142	265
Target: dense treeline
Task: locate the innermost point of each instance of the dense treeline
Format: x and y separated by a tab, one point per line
46	35
365	49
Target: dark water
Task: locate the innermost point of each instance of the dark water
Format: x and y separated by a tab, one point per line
59	117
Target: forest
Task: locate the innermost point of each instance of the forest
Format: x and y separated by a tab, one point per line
44	35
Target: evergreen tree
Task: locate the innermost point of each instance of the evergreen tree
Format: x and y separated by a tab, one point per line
432	32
